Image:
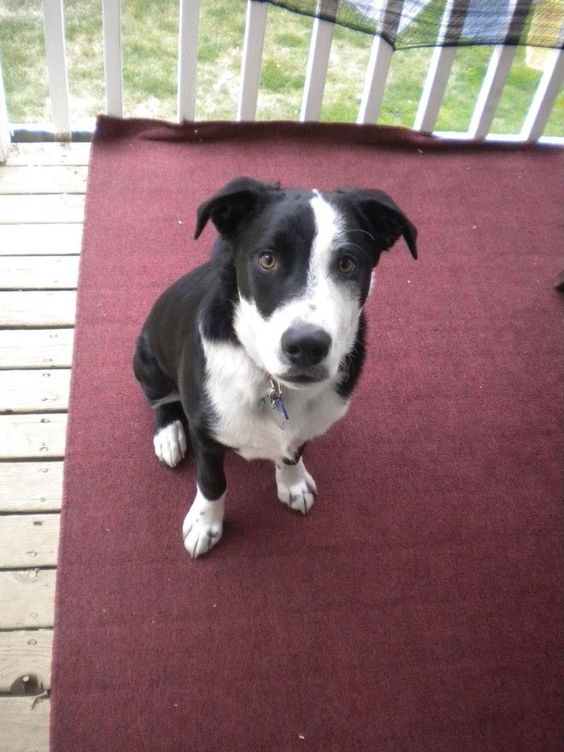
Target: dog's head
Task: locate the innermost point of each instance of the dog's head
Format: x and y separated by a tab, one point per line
304	262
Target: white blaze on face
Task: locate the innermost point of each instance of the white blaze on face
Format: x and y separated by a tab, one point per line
325	241
325	302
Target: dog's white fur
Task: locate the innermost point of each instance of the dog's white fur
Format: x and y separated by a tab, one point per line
237	390
170	444
203	525
295	486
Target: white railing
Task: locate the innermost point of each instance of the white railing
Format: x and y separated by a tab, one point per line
317	65
4	127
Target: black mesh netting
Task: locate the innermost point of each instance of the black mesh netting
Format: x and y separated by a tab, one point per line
432	23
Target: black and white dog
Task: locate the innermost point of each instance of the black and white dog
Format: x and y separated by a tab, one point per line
259	349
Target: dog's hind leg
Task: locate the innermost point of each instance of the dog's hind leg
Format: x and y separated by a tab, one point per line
169	439
170	421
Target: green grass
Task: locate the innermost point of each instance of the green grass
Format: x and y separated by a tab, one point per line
149	39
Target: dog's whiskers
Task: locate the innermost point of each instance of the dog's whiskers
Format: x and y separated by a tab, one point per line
358	229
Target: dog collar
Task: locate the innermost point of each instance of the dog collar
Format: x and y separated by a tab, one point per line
276	399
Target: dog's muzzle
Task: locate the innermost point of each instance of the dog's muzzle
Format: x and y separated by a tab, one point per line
304	347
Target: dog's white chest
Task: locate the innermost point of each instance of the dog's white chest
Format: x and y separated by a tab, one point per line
244	417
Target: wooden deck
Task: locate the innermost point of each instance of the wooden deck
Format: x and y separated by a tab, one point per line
41	208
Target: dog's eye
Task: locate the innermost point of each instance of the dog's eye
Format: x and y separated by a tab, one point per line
346	265
267	261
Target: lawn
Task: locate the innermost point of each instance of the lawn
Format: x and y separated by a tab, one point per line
149	39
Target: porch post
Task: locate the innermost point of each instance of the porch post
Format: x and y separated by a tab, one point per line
318	61
4	128
54	33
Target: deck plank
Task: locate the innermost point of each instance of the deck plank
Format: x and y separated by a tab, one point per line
25	654
29	540
36	348
50	179
34	391
49	154
25	726
32	437
37	309
28	487
36	208
28	598
37	239
38	273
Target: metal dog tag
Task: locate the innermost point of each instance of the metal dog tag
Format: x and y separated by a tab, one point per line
276	400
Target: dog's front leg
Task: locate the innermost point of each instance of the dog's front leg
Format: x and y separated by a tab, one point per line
203	525
295	486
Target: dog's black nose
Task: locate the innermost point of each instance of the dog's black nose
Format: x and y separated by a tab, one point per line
305	345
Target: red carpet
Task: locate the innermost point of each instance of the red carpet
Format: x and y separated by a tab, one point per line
417	608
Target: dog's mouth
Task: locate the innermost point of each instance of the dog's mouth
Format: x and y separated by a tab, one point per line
295	377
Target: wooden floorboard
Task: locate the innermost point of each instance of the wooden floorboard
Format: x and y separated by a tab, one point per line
35	436
30	487
25	660
41	213
34	391
42	209
40	238
37	308
29	540
40	154
28	598
52	179
36	348
33	273
25	725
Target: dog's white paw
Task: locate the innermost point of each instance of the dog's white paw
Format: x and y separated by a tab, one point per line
170	444
203	525
295	486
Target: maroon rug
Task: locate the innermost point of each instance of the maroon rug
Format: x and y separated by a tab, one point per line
416	608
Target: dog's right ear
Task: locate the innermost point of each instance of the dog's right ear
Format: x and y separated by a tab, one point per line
232	204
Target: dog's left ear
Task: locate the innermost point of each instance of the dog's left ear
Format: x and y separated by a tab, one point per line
231	204
384	220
